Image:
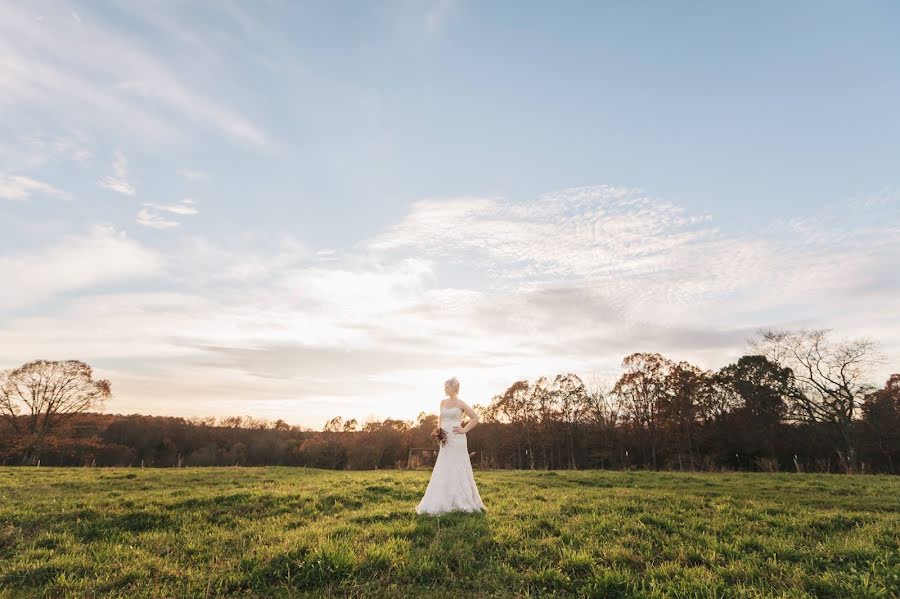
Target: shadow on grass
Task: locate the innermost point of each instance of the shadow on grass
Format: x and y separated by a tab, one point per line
453	546
113	527
382	492
227	509
32	576
432	551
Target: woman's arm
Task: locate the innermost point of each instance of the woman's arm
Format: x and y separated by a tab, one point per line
473	417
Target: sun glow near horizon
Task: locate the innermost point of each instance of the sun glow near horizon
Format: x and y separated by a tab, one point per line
225	213
573	282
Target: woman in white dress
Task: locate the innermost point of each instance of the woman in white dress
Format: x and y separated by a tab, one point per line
452	485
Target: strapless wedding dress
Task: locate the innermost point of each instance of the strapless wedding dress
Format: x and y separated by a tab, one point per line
452	485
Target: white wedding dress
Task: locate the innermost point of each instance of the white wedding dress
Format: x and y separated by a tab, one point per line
452	485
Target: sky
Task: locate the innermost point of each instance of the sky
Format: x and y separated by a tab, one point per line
299	210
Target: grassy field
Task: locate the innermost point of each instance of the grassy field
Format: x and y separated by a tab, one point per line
282	532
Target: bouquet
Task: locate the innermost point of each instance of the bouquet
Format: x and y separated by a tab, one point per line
440	434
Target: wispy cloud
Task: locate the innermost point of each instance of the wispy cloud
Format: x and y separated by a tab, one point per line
152	215
652	261
106	78
27	152
18	187
76	262
117	185
326	254
119	181
149	218
615	237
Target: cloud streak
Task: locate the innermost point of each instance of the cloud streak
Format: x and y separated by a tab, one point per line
19	187
647	253
151	215
119	181
108	80
79	262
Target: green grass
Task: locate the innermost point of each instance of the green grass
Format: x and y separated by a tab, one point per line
282	532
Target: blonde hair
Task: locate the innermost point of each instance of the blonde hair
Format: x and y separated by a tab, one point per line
451	386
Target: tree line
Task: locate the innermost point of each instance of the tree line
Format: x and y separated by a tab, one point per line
799	401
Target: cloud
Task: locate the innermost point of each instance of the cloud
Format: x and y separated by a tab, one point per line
580	232
569	281
107	79
617	239
150	215
149	218
78	262
117	185
184	207
119	182
326	254
29	152
648	254
598	271
243	259
18	187
232	337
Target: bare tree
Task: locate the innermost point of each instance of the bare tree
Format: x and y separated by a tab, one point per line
231	421
39	397
601	414
599	405
830	380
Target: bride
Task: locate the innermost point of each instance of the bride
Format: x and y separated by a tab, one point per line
452	485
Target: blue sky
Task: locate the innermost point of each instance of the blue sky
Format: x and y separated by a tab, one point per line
299	210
